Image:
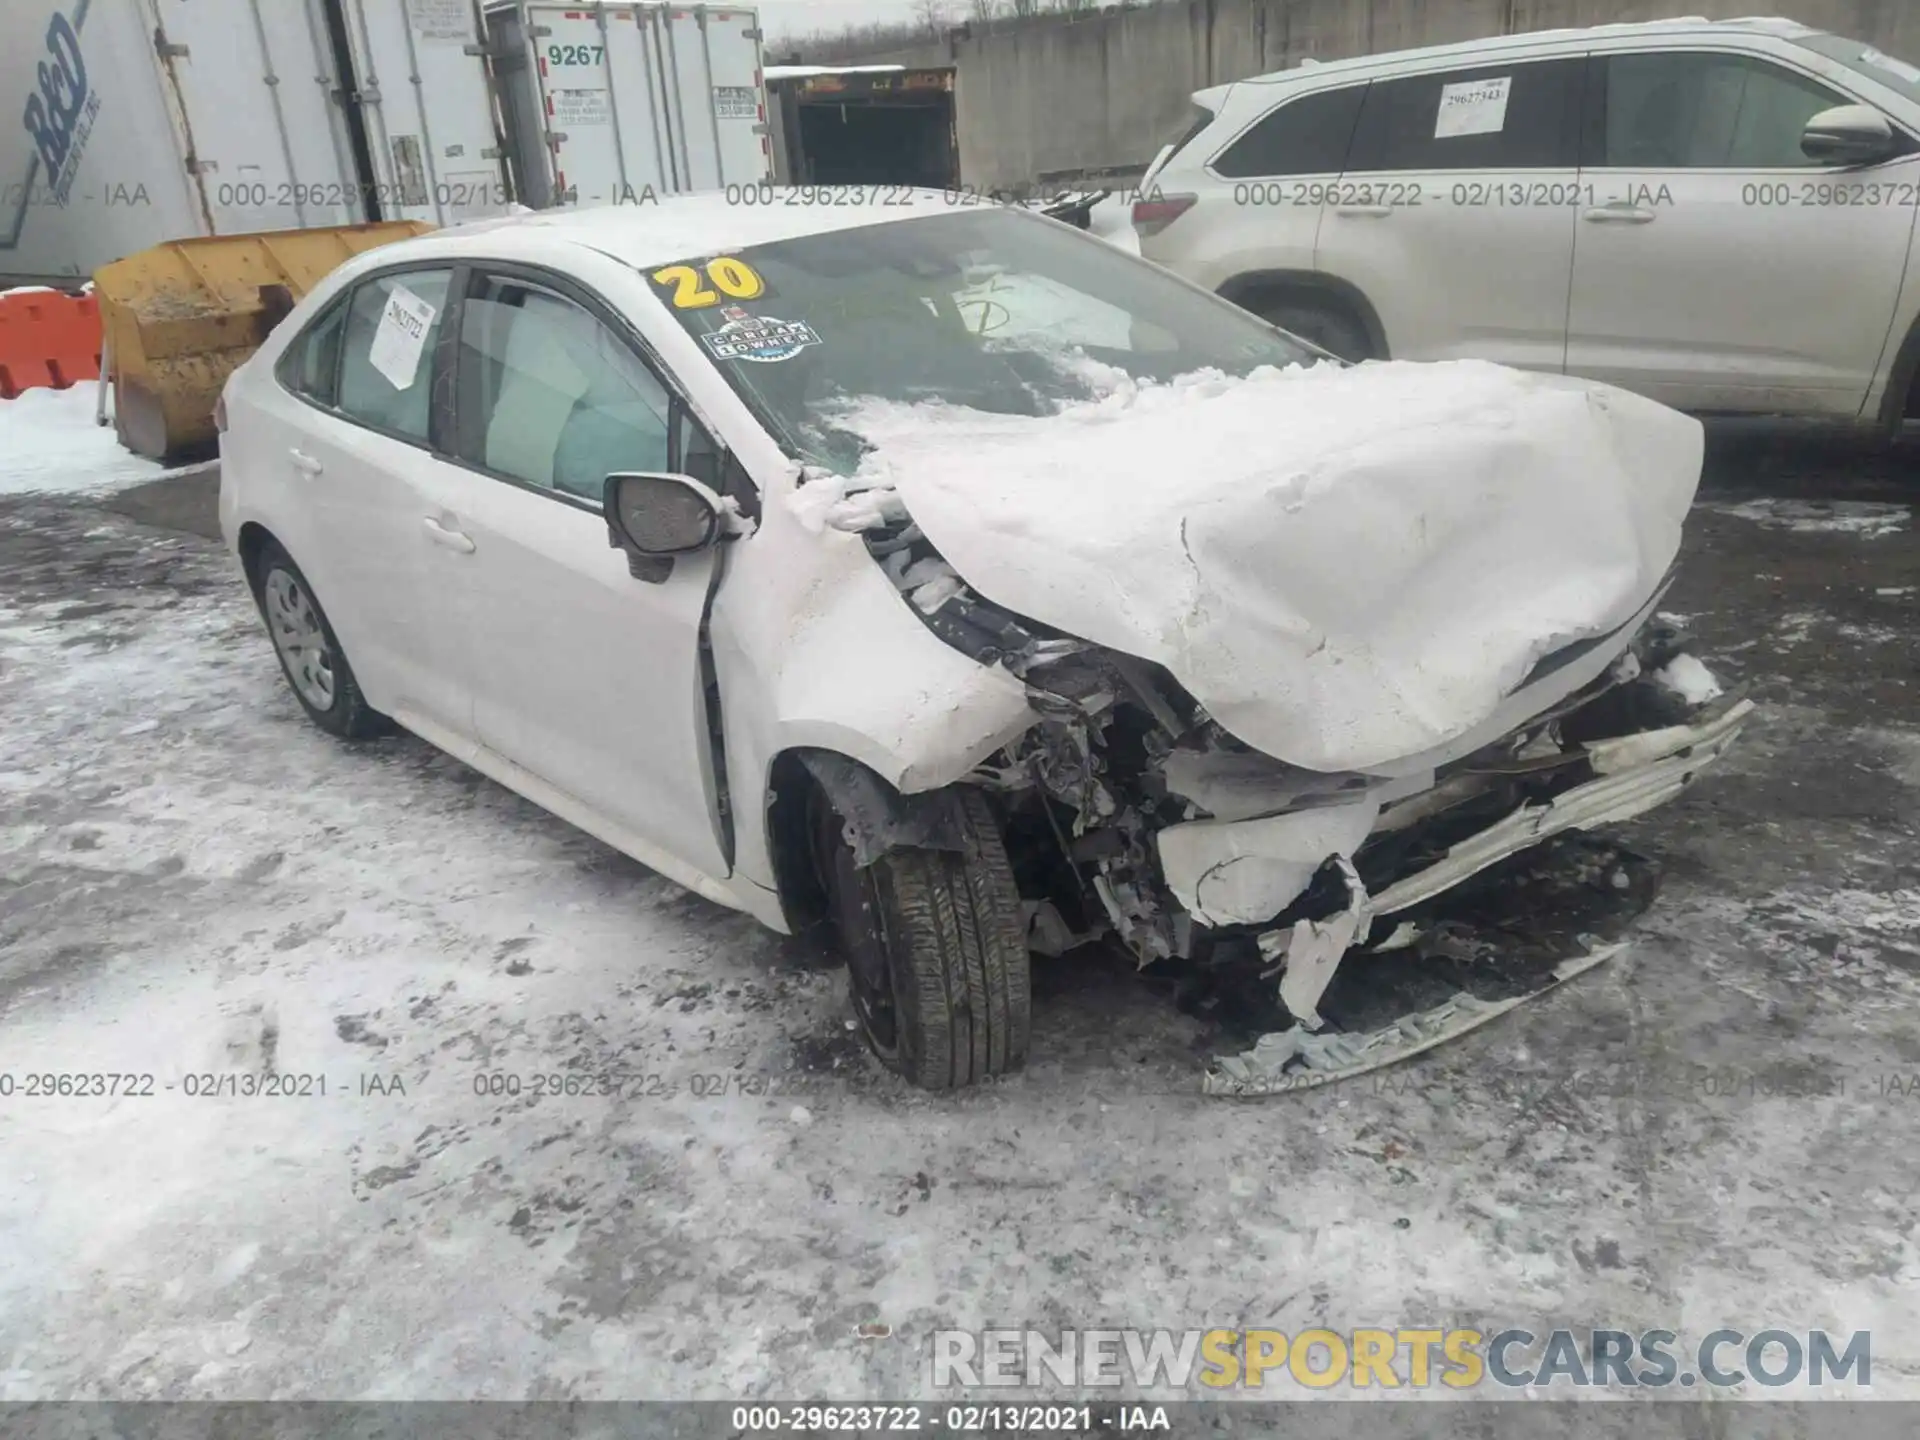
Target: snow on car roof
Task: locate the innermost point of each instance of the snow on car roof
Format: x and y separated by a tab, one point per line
678	226
1494	44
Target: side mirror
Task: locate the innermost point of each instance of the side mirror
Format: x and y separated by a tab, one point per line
657	517
1848	135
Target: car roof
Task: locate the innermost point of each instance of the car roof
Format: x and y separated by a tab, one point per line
678	227
1694	25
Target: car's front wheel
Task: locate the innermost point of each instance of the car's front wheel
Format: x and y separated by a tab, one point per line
310	655
936	953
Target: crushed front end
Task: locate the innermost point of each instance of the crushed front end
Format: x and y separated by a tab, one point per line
1129	811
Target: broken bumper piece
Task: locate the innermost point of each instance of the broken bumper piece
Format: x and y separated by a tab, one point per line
1297	1059
1633	774
1636	774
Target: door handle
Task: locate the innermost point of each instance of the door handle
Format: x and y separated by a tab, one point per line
1367	212
442	534
305	463
1618	215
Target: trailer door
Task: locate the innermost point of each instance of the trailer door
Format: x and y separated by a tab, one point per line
262	151
419	78
714	56
601	93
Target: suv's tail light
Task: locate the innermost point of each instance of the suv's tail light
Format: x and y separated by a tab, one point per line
1152	216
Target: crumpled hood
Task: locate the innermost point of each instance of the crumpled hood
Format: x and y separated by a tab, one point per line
1344	566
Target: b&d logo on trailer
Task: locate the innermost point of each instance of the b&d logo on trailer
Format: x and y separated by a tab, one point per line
60	113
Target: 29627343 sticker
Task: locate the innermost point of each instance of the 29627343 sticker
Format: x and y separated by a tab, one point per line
758	338
1473	107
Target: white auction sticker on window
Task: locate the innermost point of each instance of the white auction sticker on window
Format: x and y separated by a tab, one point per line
1474	107
401	337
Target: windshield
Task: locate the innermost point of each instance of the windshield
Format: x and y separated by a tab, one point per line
991	309
1896	75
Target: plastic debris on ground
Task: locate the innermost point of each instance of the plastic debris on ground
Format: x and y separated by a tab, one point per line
1508	935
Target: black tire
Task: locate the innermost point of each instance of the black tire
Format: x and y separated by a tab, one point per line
1330	327
937	962
346	712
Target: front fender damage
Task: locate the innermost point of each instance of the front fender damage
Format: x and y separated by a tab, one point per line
878	818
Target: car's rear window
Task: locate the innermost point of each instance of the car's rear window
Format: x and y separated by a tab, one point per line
988	308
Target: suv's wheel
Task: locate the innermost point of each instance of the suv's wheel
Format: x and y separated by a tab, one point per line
936	953
310	655
1329	326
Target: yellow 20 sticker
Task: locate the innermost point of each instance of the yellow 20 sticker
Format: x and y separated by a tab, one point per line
724	275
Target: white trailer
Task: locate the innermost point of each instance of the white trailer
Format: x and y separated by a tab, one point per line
152	120
618	103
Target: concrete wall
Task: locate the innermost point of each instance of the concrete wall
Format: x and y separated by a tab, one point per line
1063	94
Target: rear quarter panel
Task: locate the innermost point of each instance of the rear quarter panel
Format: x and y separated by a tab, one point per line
255	479
264	421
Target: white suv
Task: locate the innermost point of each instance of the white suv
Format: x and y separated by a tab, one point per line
1716	215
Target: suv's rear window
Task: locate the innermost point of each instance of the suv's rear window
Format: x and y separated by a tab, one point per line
1307	136
1198	120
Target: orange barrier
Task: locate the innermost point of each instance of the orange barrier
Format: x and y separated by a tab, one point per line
47	339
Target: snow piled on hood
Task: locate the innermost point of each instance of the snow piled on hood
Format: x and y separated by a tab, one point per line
1346	566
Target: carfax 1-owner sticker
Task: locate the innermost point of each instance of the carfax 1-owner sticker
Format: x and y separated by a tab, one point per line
759	338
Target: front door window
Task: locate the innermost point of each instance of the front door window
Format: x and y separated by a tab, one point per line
1679	110
551	397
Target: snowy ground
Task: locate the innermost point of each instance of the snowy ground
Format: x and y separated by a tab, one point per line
1715	1130
49	443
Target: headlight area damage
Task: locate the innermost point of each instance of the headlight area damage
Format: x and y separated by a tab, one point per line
1345	907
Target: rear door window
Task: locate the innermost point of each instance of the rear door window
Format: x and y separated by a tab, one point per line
1307	136
1521	116
393	323
1679	110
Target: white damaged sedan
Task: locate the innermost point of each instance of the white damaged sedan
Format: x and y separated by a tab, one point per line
947	576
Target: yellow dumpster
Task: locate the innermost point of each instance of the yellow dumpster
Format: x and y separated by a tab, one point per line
178	319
